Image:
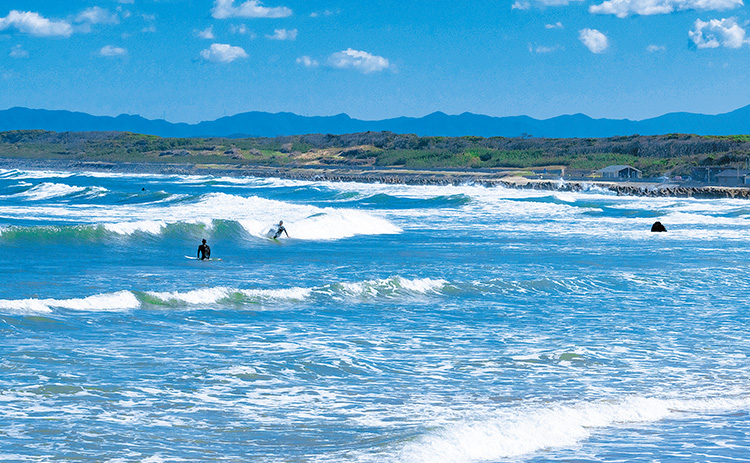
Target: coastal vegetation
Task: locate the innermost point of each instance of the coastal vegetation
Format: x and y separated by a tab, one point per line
672	154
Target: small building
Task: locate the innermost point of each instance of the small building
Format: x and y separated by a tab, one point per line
706	174
620	172
733	177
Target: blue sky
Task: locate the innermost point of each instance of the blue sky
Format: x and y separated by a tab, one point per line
190	60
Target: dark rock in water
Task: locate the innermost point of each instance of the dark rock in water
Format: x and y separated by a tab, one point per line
658	227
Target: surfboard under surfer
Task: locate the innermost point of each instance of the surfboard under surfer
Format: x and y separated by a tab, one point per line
204	252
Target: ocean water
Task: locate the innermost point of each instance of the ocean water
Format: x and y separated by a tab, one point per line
396	324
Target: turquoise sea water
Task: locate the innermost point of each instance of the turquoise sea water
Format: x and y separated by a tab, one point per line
397	324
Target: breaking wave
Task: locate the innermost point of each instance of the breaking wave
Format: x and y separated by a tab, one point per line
108	302
221	296
46	190
254	215
518	431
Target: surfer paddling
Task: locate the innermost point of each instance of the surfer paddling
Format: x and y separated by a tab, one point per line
280	229
204	252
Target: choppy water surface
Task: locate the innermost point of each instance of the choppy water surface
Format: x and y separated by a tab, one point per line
397	324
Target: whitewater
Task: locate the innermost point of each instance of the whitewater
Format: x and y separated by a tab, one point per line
435	324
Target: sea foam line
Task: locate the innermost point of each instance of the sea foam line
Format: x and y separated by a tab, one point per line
108	302
50	190
387	287
522	431
124	300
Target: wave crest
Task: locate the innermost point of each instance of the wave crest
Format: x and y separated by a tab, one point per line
108	302
390	288
515	432
220	296
48	190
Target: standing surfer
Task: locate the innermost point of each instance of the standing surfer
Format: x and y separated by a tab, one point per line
204	252
280	230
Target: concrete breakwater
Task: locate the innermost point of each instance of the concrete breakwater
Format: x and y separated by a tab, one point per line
489	178
438	177
467	177
645	189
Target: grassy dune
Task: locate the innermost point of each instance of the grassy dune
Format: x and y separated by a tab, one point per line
673	154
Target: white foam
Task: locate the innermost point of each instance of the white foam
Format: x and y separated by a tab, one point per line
391	286
24	306
216	294
565	196
50	190
109	302
153	227
521	431
291	294
569	218
236	370
255	214
197	296
121	175
339	223
126	300
422	285
684	218
303	222
35	174
590	188
497	209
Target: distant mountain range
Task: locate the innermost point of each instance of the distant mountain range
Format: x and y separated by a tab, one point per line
262	124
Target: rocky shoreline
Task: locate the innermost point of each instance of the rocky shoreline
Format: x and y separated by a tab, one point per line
486	177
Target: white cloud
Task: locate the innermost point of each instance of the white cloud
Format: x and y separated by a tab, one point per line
224	9
541	49
557	25
359	60
18	52
521	5
307	62
110	50
124	13
654	48
223	53
283	34
206	34
527	4
316	14
240	29
594	40
623	8
31	23
718	33
96	15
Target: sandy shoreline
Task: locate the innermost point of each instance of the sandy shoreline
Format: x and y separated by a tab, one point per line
484	177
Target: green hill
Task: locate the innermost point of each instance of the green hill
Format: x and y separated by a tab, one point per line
673	154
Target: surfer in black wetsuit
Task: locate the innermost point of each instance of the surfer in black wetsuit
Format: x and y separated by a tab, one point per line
658	227
280	230
204	252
